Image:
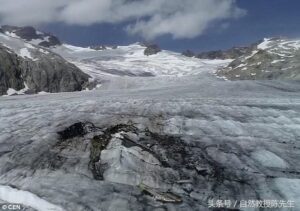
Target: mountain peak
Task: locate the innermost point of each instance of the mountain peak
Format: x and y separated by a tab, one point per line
30	34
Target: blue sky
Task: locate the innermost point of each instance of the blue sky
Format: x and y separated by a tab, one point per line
264	18
202	24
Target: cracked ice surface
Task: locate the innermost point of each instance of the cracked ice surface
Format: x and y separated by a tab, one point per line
243	135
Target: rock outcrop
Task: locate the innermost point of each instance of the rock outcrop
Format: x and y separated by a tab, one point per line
188	53
152	49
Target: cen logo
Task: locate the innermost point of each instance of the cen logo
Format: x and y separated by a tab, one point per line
10	207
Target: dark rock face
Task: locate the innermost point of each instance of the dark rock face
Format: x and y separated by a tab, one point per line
53	74
49	73
10	71
188	53
52	41
29	33
78	129
152	49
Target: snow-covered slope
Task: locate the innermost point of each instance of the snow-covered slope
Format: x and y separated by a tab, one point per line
275	58
131	61
111	67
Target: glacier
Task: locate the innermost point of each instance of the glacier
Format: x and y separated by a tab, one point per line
231	124
165	122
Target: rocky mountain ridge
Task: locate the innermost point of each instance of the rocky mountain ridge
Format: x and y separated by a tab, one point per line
268	59
28	68
231	53
273	58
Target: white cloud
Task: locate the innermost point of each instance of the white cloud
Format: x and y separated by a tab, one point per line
148	18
